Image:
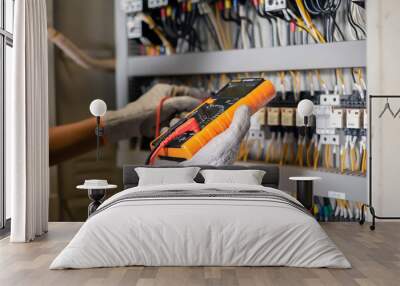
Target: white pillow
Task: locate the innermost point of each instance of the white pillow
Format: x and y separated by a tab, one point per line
166	176
246	177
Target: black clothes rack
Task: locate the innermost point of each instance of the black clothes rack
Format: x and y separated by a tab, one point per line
369	205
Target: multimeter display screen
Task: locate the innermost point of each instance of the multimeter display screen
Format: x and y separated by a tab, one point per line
238	89
224	99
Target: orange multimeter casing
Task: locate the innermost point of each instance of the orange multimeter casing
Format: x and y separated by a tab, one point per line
214	116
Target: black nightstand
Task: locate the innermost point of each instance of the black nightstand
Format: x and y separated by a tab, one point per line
304	193
96	191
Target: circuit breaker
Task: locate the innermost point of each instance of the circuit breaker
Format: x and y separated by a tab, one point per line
337	119
132	6
273	116
274	5
330	99
260	116
157	3
353	118
134	27
323	115
330	139
288	116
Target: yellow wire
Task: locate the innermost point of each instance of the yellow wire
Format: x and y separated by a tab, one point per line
259	150
272	153
295	81
224	79
353	159
242	150
152	25
327	156
282	79
292	157
308	20
308	155
343	161
364	161
267	153
339	75
364	166
299	158
316	156
225	41
326	150
359	75
248	147
320	80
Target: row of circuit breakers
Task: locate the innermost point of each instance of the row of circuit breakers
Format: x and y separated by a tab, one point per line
134	25
328	117
134	6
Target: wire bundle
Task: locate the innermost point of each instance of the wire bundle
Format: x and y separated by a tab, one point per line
327	209
191	26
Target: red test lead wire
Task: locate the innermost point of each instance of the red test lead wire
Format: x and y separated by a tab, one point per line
158	115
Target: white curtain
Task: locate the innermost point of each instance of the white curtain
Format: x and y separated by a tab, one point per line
27	155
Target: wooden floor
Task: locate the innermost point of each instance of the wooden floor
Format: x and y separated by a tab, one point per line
375	257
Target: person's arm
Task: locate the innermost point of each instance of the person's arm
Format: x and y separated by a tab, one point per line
70	140
135	119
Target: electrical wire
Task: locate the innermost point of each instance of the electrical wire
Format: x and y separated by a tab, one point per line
317	150
308	152
152	25
158	115
270	148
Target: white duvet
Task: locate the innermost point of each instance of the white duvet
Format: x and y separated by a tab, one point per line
200	231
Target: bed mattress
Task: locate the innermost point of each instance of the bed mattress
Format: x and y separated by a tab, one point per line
201	225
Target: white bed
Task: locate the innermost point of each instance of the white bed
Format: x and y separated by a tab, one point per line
267	229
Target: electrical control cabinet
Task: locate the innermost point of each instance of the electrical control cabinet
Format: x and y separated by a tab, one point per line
307	72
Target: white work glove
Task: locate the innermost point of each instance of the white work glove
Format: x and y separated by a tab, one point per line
138	118
224	148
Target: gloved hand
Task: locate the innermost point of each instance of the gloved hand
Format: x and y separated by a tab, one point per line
138	118
224	148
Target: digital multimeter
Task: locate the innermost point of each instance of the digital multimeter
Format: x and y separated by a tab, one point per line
182	140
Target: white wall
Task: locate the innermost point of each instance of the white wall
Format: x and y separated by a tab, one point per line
383	64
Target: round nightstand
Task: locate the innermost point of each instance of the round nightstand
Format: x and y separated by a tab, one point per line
304	193
96	191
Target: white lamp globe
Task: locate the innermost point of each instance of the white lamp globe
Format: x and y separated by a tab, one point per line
305	108
98	107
